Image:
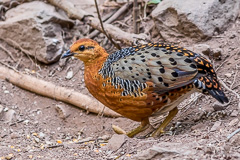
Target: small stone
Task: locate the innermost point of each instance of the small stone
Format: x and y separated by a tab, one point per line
26	122
6	92
217	106
9	115
234	113
48	142
5	109
228	75
216	126
41	135
36	140
9	156
69	75
199	126
14	135
105	137
1	111
234	122
202	48
116	141
62	111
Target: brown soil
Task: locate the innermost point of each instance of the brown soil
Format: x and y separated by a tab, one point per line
38	131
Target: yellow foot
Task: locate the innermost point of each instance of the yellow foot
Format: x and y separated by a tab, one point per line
167	120
118	130
144	125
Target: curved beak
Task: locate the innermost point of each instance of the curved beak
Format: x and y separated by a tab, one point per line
67	54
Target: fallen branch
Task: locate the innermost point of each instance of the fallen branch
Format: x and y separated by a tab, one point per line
48	89
115	32
112	18
100	19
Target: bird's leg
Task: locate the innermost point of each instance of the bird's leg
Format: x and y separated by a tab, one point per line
167	120
143	126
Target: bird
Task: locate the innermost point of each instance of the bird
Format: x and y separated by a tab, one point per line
146	80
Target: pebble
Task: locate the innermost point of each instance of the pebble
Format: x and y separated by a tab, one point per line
233	122
36	139
217	52
6	92
9	115
105	137
41	135
14	135
216	126
202	48
1	110
234	113
69	75
116	141
4	87
62	111
228	75
5	109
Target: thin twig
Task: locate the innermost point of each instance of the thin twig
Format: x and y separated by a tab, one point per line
55	146
112	18
191	101
221	65
16	45
235	76
100	19
9	53
233	133
135	17
230	90
85	140
5	64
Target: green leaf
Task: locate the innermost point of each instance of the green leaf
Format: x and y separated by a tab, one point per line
154	1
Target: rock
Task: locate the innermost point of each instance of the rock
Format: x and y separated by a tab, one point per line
193	19
116	141
105	137
69	75
1	111
36	27
233	122
9	115
217	53
41	135
216	126
166	150
234	113
14	135
62	111
228	75
217	106
202	49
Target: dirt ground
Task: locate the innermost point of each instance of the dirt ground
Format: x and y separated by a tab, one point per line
31	126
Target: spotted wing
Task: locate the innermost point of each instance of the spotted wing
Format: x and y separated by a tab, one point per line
166	67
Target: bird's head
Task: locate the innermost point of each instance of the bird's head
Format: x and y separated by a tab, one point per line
86	50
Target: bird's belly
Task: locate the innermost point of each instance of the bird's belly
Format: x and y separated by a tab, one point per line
133	107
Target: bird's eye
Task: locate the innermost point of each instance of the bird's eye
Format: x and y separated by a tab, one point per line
81	48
